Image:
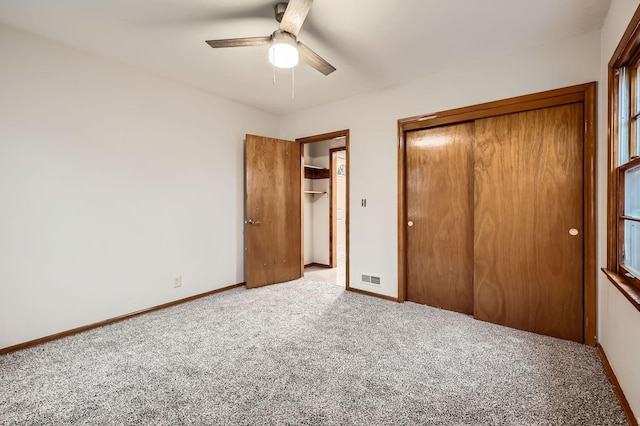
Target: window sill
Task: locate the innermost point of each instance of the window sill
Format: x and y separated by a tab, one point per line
629	291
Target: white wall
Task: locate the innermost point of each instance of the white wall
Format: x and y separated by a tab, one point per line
372	119
619	322
113	182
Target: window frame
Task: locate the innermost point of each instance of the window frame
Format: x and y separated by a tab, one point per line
627	55
633	163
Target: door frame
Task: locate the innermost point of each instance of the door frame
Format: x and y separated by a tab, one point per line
583	93
320	138
333	227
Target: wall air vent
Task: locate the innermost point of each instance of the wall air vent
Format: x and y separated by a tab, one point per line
370	279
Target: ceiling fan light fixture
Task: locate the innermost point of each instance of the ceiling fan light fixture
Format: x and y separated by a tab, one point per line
283	52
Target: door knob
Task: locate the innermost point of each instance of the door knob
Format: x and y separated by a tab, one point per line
410	223
573	232
253	222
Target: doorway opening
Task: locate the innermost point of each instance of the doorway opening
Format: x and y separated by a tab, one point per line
325	212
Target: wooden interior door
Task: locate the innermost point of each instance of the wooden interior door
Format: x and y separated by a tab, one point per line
439	207
338	207
273	237
528	226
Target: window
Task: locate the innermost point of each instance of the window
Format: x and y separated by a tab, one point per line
623	260
628	191
630	218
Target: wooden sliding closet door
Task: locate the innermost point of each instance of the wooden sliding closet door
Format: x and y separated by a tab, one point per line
528	221
440	217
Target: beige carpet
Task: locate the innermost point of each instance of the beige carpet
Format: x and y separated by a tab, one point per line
305	353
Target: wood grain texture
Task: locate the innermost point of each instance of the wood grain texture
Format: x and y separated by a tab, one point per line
629	44
439	201
612	173
325	137
294	15
584	93
627	54
240	42
402	213
631	292
314	60
528	269
274	198
319	265
589	234
549	98
316	173
563	96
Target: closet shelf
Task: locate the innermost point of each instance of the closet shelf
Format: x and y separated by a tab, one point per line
315	172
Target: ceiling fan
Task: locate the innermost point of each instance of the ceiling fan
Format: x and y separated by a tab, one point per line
285	48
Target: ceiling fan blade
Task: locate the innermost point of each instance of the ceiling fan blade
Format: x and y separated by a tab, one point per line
295	15
314	60
240	42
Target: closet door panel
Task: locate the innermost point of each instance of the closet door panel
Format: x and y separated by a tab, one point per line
528	195
440	217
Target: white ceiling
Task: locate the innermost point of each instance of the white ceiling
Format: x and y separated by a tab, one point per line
373	44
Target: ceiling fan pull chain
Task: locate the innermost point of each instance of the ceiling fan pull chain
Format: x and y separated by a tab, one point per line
293	83
273	66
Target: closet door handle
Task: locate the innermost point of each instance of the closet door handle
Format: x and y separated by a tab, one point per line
253	222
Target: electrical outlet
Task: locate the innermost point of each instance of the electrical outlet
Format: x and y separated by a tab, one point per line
177	282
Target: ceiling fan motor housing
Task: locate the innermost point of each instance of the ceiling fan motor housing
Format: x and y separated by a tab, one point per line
283	52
